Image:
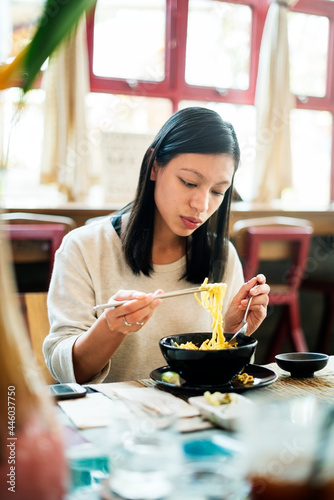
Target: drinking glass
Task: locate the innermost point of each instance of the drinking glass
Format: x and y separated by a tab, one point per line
289	449
145	456
89	468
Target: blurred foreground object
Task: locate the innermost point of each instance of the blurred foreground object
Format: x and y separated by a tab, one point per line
59	18
32	458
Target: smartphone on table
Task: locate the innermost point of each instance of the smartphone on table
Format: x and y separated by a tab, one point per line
67	391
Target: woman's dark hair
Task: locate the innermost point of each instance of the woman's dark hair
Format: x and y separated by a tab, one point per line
191	130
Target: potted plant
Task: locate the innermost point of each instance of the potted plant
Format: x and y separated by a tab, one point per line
58	19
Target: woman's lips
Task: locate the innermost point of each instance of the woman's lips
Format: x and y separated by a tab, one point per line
191	222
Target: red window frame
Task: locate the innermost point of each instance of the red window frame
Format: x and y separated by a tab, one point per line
174	86
326	103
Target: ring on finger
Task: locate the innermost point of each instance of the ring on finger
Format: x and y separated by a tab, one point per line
125	322
140	323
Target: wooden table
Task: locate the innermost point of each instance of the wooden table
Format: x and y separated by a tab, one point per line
320	386
93	418
92	411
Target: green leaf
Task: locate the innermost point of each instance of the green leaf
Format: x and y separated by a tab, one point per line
59	18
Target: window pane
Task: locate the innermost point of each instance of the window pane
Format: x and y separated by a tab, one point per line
311	153
128	114
17	30
121	128
129	39
22	179
308	41
218	44
243	120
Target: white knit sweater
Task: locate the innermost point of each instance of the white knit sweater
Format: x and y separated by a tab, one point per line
89	268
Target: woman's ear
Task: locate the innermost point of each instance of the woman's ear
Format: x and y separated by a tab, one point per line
153	176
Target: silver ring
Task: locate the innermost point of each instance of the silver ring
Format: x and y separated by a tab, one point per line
140	323
126	323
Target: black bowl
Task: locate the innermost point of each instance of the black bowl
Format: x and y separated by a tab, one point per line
214	367
301	364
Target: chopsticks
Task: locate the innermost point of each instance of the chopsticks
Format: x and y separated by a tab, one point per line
176	293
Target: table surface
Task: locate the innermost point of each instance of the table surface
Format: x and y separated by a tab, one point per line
90	414
85	419
320	386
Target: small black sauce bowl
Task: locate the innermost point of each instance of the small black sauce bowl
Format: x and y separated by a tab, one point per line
213	367
301	364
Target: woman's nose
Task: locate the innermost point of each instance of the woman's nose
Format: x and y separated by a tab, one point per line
200	201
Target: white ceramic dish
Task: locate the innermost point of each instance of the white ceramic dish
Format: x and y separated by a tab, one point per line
224	415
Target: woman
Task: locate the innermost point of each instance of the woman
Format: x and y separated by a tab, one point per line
32	453
174	234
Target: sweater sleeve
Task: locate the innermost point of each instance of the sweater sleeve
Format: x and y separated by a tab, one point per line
70	298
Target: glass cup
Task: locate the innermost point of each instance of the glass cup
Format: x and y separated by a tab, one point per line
289	449
145	455
210	480
89	468
212	469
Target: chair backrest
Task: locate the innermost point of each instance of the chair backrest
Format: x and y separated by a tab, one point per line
274	239
34	309
32	218
274	251
34	240
50	236
35	243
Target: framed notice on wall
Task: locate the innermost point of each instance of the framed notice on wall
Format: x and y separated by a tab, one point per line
122	155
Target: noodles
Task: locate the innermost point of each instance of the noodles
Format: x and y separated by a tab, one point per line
245	378
211	299
218	398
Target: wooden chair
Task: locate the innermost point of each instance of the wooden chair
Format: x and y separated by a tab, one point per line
284	242
325	286
34	240
31	218
34	309
318	291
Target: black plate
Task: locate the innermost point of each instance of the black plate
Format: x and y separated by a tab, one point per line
262	377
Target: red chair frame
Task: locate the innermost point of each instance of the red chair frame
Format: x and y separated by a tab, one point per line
53	233
326	288
287	293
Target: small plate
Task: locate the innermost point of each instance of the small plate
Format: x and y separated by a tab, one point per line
224	415
262	376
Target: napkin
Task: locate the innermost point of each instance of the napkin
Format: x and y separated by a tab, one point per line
150	397
93	410
126	398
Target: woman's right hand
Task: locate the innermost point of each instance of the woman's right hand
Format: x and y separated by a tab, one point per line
133	315
93	349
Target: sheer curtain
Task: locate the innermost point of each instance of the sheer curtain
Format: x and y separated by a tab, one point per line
66	156
273	102
6	37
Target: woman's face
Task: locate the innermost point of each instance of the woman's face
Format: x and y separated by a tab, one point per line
189	189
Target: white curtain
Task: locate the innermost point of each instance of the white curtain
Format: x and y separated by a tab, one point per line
273	102
66	157
6	30
6	37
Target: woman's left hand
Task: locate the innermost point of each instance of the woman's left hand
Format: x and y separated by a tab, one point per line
259	290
